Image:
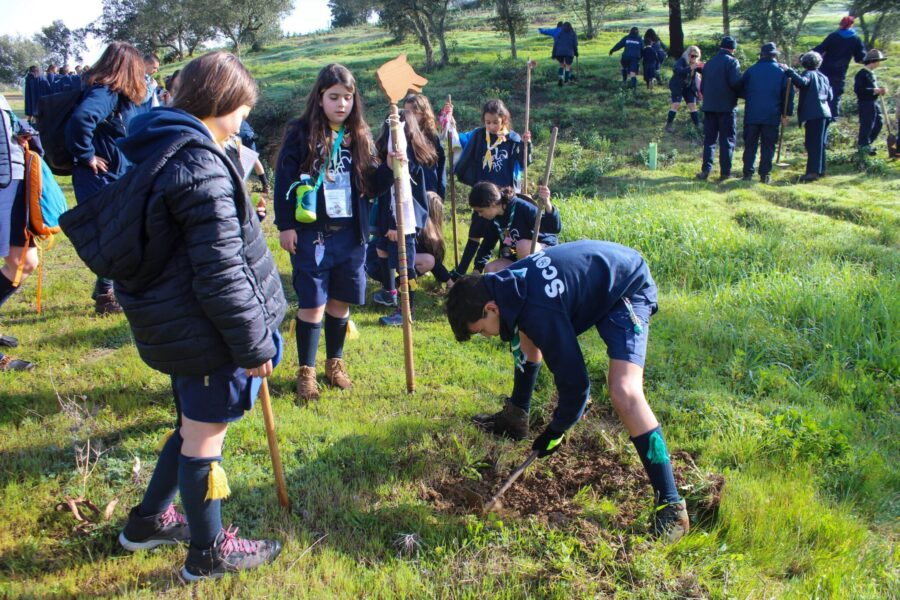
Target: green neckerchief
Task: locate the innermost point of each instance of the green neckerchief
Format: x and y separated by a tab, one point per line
515	346
504	234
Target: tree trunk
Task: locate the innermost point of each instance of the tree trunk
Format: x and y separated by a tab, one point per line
676	33
726	22
512	42
422	33
589	17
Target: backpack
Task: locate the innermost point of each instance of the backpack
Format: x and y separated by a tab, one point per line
44	203
53	113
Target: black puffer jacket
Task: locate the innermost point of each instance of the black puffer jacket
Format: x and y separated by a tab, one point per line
178	235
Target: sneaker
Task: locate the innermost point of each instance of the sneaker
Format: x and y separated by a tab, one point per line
765	178
385	298
702	175
228	554
392	320
671	522
8	363
670	127
336	373
143	533
106	304
8	341
307	386
511	422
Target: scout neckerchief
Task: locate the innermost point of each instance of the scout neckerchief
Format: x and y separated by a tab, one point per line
505	239
488	154
515	341
335	153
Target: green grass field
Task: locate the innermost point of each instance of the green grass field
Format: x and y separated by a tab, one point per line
773	366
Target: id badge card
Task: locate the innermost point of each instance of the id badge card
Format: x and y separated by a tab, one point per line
337	196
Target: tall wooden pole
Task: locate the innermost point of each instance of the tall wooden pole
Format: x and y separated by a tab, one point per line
269	420
451	179
528	64
546	180
396	132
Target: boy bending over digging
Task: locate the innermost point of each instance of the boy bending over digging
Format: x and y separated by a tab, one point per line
540	305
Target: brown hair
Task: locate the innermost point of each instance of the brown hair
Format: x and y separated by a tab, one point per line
485	194
422	149
318	133
214	84
121	69
496	107
433	233
421	107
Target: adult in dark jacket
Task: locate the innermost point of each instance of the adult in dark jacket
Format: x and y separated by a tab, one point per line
720	86
813	112
837	50
541	305
112	89
32	91
867	90
204	302
684	84
764	86
631	46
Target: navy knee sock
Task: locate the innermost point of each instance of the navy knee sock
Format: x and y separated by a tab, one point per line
307	342
651	448
164	482
671	118
6	289
204	516
695	117
561	72
387	276
633	83
523	384
335	334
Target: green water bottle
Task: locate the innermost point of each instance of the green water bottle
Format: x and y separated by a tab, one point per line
306	200
651	156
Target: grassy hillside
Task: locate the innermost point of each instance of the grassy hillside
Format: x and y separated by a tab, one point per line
773	366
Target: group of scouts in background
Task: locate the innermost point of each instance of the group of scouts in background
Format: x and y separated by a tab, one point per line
648	52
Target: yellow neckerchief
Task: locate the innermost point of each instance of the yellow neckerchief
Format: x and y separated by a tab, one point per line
488	155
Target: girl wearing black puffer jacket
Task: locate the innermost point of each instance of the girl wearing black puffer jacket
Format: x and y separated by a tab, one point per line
204	301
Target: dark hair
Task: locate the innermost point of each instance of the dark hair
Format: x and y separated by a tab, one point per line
485	194
633	30
422	149
650	37
319	134
432	235
560	24
496	107
172	81
51	67
34	69
465	304
214	84
151	58
121	69
424	114
567	27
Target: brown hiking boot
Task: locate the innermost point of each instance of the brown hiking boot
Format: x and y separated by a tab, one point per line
511	422
106	304
307	386
671	522
336	374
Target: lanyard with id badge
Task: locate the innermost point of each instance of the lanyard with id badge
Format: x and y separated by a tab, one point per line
338	191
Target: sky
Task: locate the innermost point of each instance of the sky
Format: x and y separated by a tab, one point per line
26	17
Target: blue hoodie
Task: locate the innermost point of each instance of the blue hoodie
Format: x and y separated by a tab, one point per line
556	295
837	49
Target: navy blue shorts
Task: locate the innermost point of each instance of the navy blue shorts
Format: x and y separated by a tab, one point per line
222	396
689	93
565	60
617	330
631	65
339	275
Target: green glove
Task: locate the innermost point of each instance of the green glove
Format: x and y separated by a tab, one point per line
548	442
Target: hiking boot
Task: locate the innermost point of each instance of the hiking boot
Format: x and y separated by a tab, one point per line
808	177
671	522
8	341
106	304
228	554
748	177
394	320
670	127
8	363
142	533
385	298
307	386
336	374
765	178
511	422
702	175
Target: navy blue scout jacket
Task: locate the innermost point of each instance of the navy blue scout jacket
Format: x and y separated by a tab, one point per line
681	75
288	170
815	92
632	44
763	86
96	124
650	61
434	176
508	159
522	227
837	50
559	293
32	94
199	288
565	43
864	85
721	83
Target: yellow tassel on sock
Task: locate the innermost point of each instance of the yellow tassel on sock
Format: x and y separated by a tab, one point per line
164	440
413	284
218	483
352	331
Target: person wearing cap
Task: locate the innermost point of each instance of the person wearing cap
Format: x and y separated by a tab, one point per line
719	88
763	87
813	112
631	55
866	87
837	50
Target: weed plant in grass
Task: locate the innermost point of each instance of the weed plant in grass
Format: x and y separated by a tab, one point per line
773	362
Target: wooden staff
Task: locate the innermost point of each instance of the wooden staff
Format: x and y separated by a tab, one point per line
512	479
546	180
529	65
452	180
269	419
